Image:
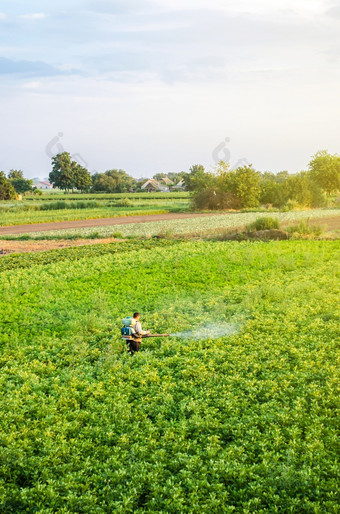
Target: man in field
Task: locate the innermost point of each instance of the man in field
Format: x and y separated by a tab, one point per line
135	340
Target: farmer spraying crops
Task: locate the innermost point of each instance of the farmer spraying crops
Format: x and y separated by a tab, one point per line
132	332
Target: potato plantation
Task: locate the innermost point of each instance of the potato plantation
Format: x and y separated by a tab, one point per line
240	423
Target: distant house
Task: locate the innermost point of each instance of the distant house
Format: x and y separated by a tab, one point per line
153	186
43	185
179	187
166	181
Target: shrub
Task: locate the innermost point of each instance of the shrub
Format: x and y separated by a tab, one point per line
210	199
291	205
266	223
291	191
166	233
54	206
62	204
304	228
85	205
7	191
124	202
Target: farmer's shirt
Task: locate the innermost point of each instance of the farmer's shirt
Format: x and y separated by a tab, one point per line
138	329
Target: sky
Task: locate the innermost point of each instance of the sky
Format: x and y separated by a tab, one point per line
153	86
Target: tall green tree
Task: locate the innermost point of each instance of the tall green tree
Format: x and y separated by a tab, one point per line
210	189
67	174
196	178
244	184
82	177
325	171
271	190
225	188
7	191
303	190
13	174
62	174
19	182
282	188
112	181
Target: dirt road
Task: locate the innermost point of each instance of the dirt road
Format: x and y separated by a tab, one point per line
100	222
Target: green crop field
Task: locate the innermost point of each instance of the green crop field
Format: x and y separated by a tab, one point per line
48	208
53	195
237	412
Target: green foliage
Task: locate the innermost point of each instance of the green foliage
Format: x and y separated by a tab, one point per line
62	174
29	211
303	190
61	205
15	174
123	202
225	188
20	184
21	261
265	223
272	190
305	228
211	198
36	191
325	171
112	181
67	174
246	423
82	177
196	178
243	183
173	176
7	191
52	195
282	190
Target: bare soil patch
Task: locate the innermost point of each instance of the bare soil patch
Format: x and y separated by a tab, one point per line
7	247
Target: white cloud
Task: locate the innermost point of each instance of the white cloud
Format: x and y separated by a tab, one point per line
2	16
177	78
245	6
35	84
33	16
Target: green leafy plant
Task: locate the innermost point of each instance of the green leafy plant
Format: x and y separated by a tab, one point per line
265	223
304	227
123	202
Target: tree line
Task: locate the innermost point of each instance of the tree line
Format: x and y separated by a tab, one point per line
245	187
220	188
69	175
13	184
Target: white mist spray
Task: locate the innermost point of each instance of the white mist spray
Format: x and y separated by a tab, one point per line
210	331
